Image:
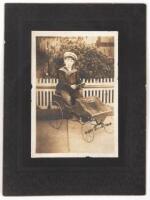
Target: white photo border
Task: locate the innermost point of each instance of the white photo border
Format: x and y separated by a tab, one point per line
35	34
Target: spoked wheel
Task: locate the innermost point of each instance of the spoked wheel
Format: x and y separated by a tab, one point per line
87	132
57	115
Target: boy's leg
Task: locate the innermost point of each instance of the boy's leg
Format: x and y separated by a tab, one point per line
66	96
79	93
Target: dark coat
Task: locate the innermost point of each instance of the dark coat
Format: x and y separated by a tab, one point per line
66	79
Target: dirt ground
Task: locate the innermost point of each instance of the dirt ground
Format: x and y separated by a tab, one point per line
69	138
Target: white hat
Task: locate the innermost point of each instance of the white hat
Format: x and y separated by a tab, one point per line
70	54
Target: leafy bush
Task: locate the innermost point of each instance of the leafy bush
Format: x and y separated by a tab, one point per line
91	62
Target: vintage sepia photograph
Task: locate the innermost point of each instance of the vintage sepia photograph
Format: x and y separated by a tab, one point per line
74	99
74	104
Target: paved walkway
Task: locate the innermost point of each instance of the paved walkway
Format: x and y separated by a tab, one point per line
51	140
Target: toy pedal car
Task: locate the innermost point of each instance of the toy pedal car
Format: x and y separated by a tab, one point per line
88	110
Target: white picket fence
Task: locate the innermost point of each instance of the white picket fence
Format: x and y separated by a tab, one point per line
102	88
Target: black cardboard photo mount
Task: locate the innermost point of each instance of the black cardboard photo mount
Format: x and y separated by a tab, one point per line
125	175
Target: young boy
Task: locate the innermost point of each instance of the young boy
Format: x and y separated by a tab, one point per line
69	86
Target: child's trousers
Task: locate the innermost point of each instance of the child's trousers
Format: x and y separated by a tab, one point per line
70	98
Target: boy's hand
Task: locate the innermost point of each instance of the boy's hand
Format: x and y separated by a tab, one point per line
74	86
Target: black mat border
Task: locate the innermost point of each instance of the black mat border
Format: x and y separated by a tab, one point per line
123	175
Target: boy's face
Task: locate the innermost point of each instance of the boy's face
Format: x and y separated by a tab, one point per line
69	62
